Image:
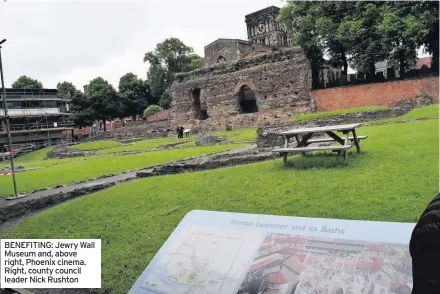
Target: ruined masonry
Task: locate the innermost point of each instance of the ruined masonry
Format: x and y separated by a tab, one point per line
245	83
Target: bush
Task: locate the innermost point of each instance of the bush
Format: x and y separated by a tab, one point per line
152	109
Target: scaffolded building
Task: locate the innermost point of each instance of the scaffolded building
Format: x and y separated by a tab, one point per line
37	118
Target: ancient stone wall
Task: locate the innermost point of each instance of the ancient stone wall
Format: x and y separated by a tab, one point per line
253	91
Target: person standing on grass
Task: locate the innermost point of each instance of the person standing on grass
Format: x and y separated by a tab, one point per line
178	132
424	248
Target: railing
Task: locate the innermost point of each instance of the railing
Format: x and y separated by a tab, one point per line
30	111
336	80
38	126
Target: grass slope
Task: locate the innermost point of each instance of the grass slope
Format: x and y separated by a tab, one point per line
83	170
392	180
322	114
429	111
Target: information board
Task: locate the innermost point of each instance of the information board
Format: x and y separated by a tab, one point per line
220	252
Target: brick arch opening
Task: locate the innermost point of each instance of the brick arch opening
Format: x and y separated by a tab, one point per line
199	107
247	100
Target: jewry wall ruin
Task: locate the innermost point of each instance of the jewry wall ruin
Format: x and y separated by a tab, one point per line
253	91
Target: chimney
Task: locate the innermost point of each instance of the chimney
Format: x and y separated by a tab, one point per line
85	89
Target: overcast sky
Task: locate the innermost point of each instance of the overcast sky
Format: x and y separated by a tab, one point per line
76	41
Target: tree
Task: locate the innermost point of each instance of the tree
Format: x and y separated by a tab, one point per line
82	112
66	90
152	109
402	31
192	62
362	34
300	19
429	14
165	99
330	15
135	95
103	99
168	58
25	82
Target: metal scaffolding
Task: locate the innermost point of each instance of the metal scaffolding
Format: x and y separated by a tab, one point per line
39	116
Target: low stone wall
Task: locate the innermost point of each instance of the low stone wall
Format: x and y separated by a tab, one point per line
67	152
267	136
16	208
145	130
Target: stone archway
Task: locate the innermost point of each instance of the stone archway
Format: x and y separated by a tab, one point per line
247	100
221	59
199	107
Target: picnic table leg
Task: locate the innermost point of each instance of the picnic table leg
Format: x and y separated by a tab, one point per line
298	141
286	144
356	141
345	144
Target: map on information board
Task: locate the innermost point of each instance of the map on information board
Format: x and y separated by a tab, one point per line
218	252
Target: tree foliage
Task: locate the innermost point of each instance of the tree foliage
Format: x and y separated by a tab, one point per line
402	32
152	109
362	33
25	82
66	90
82	112
103	99
168	58
299	17
429	11
134	94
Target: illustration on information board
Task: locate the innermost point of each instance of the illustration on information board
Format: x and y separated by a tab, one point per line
294	264
234	253
203	260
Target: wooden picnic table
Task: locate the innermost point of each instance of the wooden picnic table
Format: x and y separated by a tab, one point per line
303	139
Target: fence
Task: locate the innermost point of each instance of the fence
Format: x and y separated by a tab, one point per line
335	79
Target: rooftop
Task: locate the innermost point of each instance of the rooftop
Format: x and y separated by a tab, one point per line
270	9
260	263
227	40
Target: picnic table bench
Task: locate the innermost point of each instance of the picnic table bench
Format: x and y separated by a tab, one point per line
303	138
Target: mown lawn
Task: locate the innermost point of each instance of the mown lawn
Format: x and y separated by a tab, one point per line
392	180
239	135
143	145
429	111
51	176
322	114
96	145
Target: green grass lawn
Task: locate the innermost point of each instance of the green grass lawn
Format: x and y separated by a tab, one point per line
76	170
143	145
239	135
391	180
96	145
29	158
429	111
322	114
